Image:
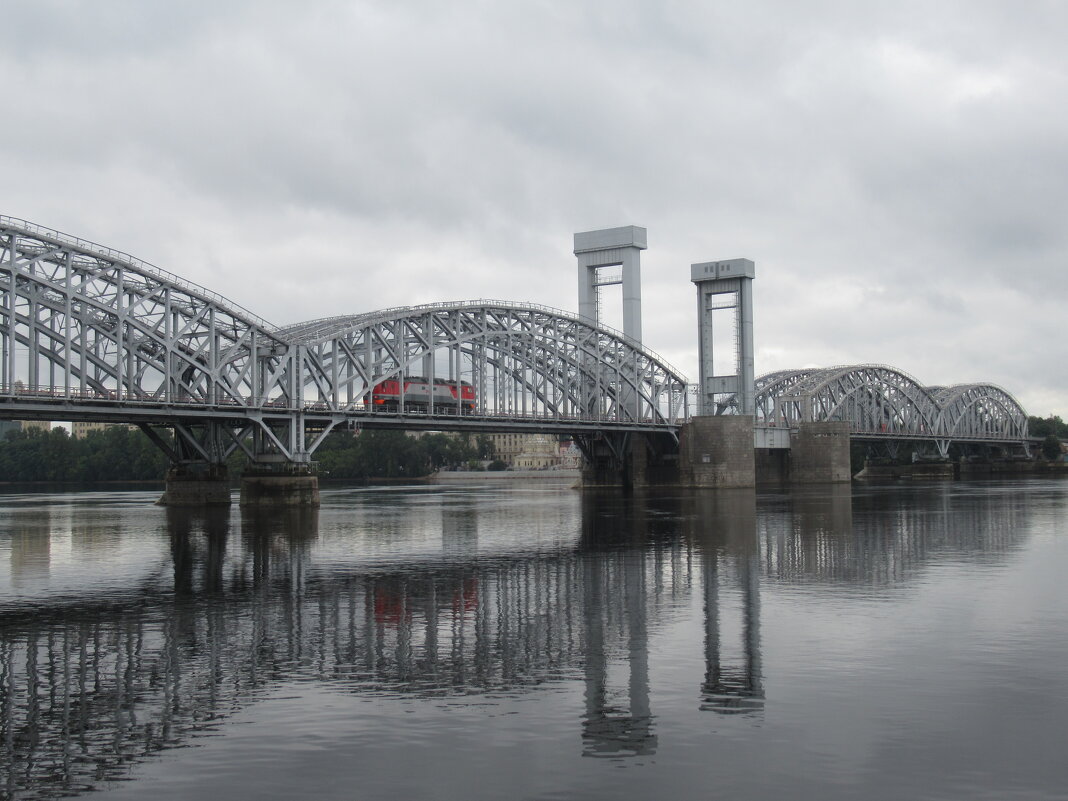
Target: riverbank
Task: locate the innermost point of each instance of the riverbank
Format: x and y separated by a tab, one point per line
559	476
961	470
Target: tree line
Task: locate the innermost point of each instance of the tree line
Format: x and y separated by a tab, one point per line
1053	430
122	454
114	454
1043	427
394	454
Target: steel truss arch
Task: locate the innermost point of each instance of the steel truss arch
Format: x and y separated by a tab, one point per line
103	335
769	387
81	321
981	411
870	397
525	360
884	401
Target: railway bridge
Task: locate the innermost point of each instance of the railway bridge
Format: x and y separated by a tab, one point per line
90	333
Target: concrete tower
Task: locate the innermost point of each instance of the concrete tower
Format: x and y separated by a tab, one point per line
612	247
726	285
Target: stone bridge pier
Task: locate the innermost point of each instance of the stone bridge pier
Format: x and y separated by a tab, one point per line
721	451
718	452
211	485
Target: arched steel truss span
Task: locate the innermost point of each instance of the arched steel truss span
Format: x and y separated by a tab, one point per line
103	335
881	401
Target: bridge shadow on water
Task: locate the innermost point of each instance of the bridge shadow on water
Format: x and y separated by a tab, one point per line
87	689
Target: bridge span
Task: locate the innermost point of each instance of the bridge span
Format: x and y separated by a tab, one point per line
91	333
884	404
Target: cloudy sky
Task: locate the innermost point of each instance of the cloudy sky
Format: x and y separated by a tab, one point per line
897	171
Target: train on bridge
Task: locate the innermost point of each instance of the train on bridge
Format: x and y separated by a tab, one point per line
420	394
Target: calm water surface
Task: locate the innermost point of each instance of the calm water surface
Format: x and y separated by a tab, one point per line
490	642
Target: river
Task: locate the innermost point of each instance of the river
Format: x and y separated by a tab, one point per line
532	642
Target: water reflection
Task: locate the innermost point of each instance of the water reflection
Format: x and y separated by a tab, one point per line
84	692
618	720
31	543
875	540
725	529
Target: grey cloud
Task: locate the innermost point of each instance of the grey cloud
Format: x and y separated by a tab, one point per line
356	155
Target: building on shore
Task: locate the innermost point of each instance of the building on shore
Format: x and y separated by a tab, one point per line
81	429
24	425
527	451
570	455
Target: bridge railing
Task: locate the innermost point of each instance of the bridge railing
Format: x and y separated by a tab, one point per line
120	257
51	396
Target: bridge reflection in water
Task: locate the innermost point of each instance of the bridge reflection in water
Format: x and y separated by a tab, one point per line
85	692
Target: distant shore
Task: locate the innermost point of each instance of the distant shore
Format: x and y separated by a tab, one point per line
449	476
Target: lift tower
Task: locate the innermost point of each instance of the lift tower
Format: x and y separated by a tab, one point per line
612	247
726	285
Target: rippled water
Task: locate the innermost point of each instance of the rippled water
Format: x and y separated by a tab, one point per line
906	642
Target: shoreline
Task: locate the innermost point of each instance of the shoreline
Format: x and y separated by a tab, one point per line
449	476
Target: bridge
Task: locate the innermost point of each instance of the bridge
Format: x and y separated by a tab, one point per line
884	404
91	333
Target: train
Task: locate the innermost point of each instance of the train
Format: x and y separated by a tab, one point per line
450	396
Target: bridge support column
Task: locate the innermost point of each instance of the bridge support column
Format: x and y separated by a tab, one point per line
293	485
605	461
196	485
819	453
717	451
630	461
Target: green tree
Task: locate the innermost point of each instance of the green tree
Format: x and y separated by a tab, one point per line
1051	447
115	454
1042	427
122	454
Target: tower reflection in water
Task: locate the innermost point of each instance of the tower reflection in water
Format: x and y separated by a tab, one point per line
724	528
249	602
617	560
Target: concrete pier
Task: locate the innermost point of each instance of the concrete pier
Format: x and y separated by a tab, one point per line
188	486
819	453
717	451
605	470
279	489
645	460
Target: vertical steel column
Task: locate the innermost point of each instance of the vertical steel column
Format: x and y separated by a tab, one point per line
429	367
213	359
120	276
746	350
8	377
32	338
67	324
334	400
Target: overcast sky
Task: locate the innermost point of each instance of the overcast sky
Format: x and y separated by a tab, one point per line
897	171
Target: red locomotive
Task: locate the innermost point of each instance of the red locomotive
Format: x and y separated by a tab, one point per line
450	397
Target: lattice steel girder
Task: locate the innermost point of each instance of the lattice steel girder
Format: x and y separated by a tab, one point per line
97	321
771	386
106	335
522	359
876	399
981	410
